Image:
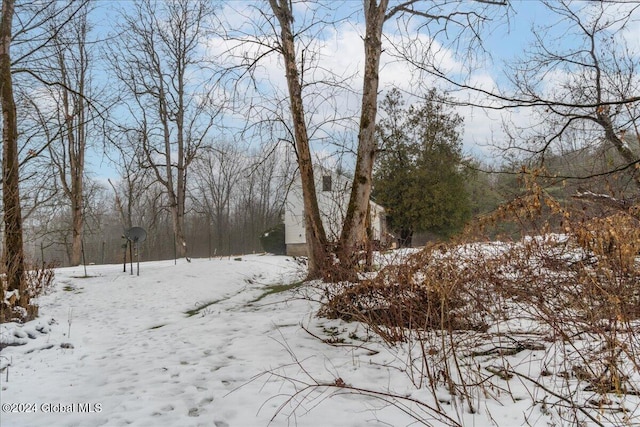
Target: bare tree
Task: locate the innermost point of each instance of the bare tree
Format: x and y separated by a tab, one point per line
13	250
238	193
594	95
69	115
217	175
577	84
139	199
29	39
316	237
156	58
263	191
132	187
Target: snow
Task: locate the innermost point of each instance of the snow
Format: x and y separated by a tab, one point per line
210	343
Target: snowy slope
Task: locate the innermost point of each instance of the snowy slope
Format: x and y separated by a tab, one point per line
138	359
135	357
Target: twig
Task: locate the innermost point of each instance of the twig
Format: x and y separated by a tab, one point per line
559	396
337	344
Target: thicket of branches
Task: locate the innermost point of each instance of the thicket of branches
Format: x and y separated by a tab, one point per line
471	311
234	198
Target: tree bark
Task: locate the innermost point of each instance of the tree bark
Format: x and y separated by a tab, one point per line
13	244
77	172
354	232
76	147
314	230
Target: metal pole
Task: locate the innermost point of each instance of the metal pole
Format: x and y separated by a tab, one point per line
131	256
137	258
84	262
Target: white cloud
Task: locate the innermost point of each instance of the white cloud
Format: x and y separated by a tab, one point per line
337	53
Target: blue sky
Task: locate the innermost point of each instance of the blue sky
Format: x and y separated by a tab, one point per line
505	39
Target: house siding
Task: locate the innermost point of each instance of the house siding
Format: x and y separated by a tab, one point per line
332	205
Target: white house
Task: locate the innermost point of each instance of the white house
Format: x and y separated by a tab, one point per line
333	191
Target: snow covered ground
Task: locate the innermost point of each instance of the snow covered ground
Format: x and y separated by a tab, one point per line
209	343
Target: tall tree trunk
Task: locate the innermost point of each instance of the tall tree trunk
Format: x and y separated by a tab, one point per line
76	140
77	225
77	174
13	245
354	232
70	67
181	190
314	230
177	219
175	204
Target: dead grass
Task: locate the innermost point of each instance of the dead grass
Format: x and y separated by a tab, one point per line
39	281
573	289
